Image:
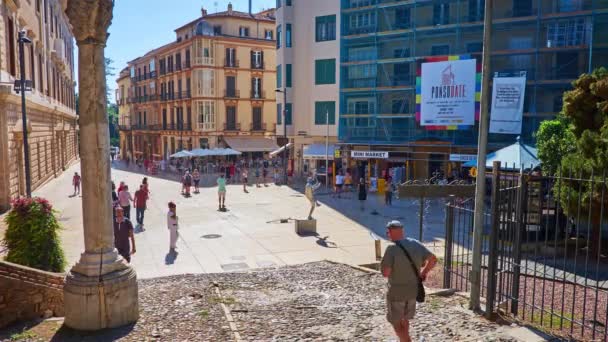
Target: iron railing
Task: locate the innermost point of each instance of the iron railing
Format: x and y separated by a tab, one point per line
232	93
257	127
542	253
232	126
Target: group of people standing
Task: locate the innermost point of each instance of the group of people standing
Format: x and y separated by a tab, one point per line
124	238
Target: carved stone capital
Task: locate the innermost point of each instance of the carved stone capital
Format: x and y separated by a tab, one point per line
90	20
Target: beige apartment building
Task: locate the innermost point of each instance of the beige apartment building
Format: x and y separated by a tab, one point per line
51	116
214	86
308	50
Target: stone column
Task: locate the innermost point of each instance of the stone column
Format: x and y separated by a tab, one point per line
5	190
101	289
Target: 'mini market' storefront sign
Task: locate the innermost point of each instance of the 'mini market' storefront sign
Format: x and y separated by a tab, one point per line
369	154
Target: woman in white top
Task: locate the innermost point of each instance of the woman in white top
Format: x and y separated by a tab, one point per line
172	225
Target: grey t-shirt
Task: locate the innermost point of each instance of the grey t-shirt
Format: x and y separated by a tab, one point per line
402	283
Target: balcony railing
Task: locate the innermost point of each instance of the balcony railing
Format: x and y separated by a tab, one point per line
231	63
258	94
187	64
178	66
183	95
232	126
257	65
258	127
232	94
185	126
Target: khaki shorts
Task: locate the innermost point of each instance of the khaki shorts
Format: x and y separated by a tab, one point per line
400	310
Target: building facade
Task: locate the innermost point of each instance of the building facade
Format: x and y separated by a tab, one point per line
384	42
212	87
308	71
51	115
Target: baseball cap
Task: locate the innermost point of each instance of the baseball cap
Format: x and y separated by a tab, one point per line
394	224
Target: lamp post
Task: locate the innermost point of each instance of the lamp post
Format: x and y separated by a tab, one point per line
284	91
26	148
327	150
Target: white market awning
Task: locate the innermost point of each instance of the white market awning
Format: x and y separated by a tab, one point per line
251	144
280	150
319	151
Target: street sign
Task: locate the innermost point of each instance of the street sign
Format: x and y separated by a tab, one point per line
473	172
17	85
369	154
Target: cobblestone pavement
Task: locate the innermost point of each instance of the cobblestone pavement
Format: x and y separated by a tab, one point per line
319	301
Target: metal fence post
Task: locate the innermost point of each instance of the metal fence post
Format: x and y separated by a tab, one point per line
449	238
492	248
519	228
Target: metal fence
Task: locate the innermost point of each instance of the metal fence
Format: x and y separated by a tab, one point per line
543	251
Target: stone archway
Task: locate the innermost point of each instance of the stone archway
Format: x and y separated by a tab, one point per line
101	289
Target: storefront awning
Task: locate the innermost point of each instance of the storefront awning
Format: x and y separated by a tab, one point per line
319	151
279	150
251	144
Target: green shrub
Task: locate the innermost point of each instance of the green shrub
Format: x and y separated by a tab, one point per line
32	235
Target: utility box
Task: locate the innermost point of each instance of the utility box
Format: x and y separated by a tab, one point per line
306	227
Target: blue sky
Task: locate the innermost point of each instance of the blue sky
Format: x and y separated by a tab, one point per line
142	25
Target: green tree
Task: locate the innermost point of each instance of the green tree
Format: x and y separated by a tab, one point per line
554	141
586	110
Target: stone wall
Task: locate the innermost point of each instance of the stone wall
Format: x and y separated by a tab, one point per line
27	293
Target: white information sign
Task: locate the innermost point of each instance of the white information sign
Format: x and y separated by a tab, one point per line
448	93
507	105
369	154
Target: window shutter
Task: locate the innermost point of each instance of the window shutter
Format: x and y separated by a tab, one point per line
252	56
262	57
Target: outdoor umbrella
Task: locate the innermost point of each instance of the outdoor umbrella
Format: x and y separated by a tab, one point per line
182	154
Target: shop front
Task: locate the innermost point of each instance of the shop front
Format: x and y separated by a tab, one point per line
319	159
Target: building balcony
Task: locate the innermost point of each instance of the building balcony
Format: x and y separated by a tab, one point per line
257	94
232	127
231	63
124	127
257	65
257	127
187	64
185	126
178	66
232	94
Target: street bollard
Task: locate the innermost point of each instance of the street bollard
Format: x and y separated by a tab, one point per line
378	247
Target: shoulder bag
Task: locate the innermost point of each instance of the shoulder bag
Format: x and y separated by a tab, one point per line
421	294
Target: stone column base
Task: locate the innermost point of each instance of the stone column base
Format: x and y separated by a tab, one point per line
94	303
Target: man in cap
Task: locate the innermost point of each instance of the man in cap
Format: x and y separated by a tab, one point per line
398	266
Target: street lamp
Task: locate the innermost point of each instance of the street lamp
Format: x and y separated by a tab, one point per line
327	151
23	88
284	91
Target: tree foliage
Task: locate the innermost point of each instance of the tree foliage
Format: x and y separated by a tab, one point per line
554	142
577	141
32	235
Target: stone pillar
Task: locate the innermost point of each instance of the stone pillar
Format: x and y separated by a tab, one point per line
101	289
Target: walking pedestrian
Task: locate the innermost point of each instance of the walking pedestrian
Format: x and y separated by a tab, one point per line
221	192
187	183
232	172
124	200
348	183
264	175
362	193
121	187
406	264
339	183
76	183
123	232
245	176
144	182
257	177
276	176
388	192
141	197
173	226
196	177
114	195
